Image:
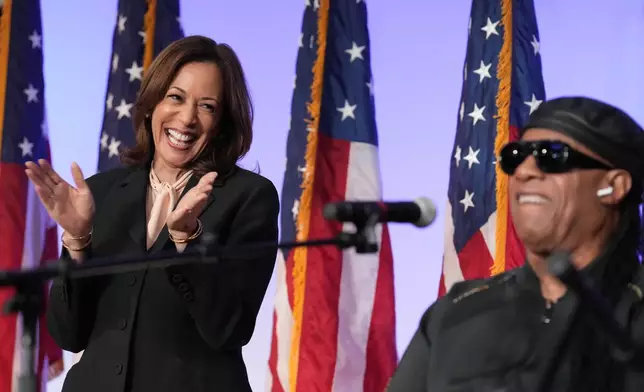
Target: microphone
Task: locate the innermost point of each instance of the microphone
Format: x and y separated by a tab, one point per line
560	266
421	212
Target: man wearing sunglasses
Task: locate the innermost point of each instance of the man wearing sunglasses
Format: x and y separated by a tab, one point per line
575	186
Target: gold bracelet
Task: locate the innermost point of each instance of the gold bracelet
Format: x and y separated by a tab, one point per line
81	237
192	237
84	246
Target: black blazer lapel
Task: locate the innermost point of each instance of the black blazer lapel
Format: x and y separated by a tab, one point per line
126	205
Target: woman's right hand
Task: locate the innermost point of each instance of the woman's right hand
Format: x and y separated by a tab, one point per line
72	208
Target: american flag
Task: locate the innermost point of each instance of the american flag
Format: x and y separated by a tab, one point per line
143	29
334	316
29	236
502	86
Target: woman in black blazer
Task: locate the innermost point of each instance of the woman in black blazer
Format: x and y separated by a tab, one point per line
181	327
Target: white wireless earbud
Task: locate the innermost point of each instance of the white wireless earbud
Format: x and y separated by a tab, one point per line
605	191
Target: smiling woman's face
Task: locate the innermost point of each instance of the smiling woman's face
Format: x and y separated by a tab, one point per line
186	118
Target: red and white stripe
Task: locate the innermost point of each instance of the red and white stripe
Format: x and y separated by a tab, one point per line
474	260
348	328
29	237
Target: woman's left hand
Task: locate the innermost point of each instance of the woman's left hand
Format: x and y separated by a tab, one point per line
182	222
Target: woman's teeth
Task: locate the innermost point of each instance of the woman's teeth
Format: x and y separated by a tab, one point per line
179	139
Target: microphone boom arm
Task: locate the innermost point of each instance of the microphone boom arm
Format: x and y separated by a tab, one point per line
29	284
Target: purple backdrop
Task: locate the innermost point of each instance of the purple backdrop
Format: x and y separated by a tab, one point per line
418	47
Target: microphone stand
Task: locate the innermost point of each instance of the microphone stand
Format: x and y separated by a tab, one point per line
27	302
590	300
29	284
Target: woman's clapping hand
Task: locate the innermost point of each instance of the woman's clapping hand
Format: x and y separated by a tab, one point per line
71	207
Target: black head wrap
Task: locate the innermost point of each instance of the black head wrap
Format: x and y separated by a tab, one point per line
604	129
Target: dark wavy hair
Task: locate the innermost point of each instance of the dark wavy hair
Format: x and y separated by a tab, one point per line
234	129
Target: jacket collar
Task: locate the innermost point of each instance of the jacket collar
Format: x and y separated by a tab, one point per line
127	199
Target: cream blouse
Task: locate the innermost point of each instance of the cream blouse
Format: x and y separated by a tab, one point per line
161	200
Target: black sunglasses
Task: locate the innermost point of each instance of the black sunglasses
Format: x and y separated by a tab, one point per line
551	156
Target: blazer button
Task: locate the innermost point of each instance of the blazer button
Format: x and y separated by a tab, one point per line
183	286
118	369
122	323
188	297
176	278
131	280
